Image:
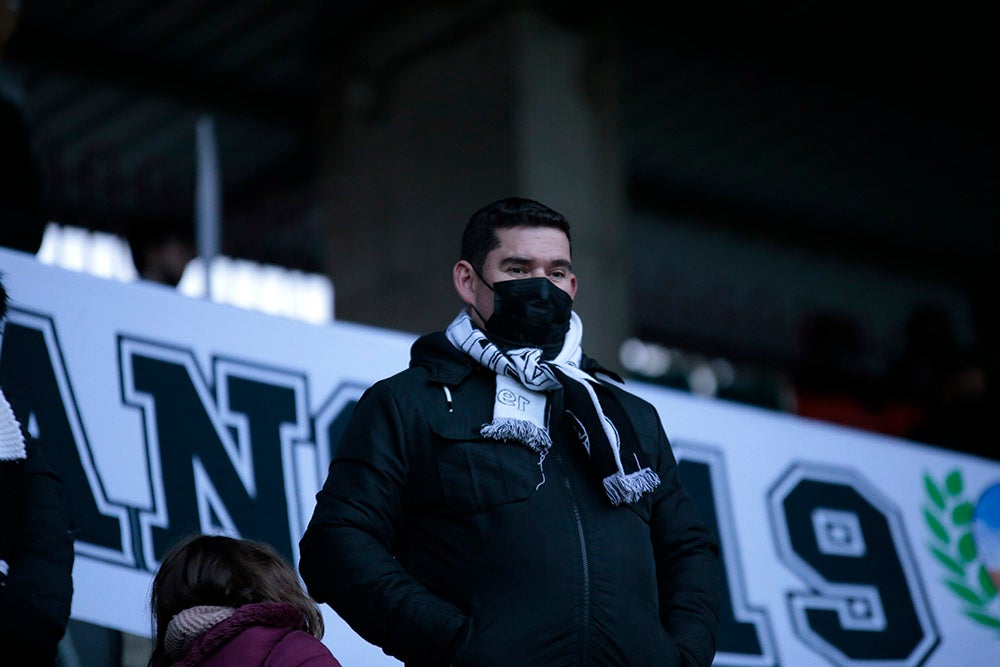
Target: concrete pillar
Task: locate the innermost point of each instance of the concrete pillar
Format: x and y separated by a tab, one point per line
568	157
447	111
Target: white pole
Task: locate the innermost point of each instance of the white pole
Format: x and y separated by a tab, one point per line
208	198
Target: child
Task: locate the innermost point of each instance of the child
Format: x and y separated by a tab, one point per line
219	601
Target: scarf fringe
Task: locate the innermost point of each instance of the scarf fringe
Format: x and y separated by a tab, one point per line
625	489
519	430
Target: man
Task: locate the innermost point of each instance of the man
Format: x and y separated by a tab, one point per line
499	504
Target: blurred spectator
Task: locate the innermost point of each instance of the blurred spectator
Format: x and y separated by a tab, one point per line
161	249
929	352
836	378
22	220
960	414
986	317
963	400
36	545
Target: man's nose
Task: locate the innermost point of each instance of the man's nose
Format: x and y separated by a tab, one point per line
538	273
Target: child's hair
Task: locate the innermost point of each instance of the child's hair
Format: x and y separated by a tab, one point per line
227	572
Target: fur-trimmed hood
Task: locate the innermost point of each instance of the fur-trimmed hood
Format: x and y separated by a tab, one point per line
254	634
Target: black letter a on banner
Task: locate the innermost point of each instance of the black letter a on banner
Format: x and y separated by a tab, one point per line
38	387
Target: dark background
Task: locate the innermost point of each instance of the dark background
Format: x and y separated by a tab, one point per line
852	137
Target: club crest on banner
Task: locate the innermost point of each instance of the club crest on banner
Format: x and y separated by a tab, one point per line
965	541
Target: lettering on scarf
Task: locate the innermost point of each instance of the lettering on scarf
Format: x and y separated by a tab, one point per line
514	400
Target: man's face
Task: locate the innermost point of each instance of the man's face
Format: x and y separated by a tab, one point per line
524	252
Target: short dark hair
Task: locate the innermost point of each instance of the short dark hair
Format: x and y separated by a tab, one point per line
227	572
480	235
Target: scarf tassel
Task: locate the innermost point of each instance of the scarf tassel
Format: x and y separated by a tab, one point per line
520	431
625	489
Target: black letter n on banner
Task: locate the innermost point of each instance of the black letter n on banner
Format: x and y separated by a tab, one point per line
218	463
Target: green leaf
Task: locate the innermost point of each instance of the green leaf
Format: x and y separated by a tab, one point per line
953	482
933	492
964	592
985	619
948	561
962	515
967	547
986	583
936	527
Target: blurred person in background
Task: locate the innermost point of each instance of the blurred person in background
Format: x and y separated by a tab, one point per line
22	219
964	402
36	545
161	248
930	350
839	378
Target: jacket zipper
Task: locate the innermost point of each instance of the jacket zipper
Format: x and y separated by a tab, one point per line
585	618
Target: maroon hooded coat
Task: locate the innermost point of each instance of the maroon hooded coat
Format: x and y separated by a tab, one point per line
267	634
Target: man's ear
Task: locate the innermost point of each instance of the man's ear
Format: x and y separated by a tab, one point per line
464	278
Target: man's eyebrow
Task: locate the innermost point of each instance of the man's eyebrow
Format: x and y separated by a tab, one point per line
516	260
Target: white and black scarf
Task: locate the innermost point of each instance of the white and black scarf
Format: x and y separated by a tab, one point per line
12	455
521	410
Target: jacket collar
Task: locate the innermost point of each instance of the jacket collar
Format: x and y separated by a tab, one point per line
446	364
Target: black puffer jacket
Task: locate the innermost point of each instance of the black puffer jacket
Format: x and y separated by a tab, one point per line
442	547
35	598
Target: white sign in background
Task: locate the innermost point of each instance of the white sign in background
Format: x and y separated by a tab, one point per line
886	564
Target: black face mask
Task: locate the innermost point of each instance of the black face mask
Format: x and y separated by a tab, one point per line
529	311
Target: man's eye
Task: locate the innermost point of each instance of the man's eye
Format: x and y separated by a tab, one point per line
557	275
515	269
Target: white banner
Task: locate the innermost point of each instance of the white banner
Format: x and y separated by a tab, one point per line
166	415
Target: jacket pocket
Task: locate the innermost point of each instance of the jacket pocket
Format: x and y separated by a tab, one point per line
478	474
